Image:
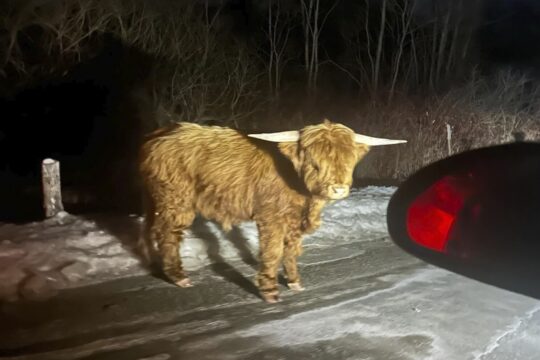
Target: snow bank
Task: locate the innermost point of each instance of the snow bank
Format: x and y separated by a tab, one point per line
37	259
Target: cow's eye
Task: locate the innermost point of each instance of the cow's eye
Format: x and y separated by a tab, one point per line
316	167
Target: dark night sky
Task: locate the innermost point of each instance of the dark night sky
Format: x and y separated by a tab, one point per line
512	31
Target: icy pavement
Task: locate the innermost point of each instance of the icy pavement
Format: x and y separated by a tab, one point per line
38	259
364	299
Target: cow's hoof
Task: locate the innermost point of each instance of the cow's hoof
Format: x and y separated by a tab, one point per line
271	297
185	282
296	286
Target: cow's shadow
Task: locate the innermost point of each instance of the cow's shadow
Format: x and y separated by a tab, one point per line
200	229
129	232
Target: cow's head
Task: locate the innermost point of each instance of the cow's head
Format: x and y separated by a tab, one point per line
325	155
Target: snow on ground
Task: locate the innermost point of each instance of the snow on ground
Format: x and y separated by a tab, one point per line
37	259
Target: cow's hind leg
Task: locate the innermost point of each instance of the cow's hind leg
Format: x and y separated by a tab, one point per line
167	232
292	248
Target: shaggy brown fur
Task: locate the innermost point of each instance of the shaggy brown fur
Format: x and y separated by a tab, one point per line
229	177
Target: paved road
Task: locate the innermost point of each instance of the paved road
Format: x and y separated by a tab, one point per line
365	300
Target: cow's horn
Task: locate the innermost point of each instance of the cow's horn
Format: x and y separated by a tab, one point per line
284	136
373	141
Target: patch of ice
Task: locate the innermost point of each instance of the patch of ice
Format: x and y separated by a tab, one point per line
440	317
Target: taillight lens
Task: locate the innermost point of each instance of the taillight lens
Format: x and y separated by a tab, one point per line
432	214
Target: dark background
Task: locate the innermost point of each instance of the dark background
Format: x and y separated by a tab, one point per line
88	112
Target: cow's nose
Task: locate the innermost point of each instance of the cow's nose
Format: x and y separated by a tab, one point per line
338	191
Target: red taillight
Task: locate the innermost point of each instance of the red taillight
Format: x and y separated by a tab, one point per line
431	216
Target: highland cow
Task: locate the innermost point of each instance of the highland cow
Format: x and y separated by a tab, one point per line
281	181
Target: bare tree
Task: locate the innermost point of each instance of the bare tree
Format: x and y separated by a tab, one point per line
277	31
404	32
377	71
197	70
67	29
312	26
403	50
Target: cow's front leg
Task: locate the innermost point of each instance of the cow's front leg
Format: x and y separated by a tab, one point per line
270	255
312	215
291	250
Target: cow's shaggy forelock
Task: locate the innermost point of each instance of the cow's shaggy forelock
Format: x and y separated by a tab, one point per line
228	177
329	157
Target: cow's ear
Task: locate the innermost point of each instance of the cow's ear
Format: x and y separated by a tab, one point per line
292	151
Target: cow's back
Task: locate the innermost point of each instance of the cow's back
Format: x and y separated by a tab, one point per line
218	169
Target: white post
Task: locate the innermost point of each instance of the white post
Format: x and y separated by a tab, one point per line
52	190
